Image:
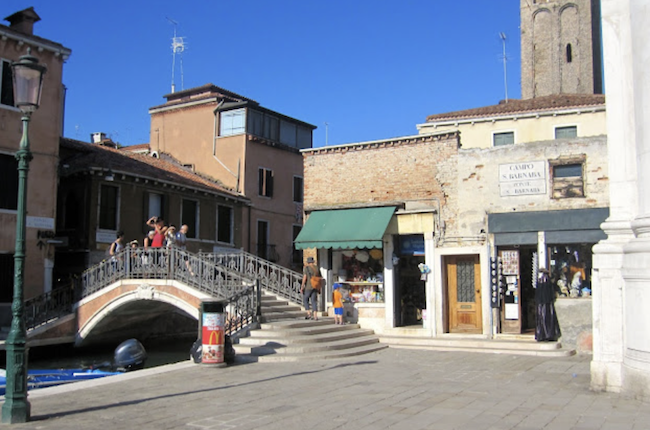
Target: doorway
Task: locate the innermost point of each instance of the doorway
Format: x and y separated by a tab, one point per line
411	297
463	285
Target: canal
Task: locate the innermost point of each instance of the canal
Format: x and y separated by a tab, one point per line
159	352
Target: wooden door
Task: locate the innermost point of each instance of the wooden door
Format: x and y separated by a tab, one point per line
464	293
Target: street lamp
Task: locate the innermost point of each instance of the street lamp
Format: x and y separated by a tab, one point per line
27	80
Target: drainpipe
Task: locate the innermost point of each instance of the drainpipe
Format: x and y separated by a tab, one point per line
214	146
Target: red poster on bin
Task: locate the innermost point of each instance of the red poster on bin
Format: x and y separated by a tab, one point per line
213	338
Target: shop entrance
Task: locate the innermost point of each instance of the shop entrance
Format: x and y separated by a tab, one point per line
518	308
463	282
411	298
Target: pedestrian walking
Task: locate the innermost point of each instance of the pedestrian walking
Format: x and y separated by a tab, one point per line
310	288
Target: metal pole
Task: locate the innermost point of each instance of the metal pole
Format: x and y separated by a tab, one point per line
16	408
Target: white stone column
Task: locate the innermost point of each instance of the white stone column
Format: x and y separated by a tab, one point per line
430	284
620	280
389	282
636	261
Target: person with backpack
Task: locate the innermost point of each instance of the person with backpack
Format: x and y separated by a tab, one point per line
310	287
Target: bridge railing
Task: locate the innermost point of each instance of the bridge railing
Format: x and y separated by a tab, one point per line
165	263
274	278
49	306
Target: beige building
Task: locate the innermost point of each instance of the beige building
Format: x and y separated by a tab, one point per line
558	116
45	129
248	148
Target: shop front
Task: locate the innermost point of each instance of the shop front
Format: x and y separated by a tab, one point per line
378	254
560	241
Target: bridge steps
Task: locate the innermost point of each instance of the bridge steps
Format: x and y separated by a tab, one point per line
295	339
494	346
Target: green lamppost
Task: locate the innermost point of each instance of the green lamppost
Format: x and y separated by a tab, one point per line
28	80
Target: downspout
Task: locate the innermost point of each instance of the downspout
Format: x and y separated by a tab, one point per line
214	146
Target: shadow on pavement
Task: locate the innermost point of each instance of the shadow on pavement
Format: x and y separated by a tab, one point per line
206	390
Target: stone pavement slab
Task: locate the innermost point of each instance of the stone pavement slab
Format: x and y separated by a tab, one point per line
390	389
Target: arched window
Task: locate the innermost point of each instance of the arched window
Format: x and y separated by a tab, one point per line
569	53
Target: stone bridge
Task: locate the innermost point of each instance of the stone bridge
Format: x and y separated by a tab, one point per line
159	294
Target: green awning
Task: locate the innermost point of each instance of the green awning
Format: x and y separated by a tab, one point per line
345	228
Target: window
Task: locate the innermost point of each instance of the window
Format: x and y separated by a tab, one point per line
233	122
569	53
9	181
155	205
288	133
263	239
7	84
265	179
566	132
296	254
297	189
6	278
505	138
224	224
108	203
568	179
190	216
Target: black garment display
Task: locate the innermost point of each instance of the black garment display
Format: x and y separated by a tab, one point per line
547	327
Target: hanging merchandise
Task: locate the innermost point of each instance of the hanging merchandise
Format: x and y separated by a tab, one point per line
362	256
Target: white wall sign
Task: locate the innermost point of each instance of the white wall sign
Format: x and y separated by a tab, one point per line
105	236
39	222
520	179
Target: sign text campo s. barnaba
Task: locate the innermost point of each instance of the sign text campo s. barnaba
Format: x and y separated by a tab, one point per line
521	179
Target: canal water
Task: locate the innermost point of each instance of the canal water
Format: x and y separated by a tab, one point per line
159	352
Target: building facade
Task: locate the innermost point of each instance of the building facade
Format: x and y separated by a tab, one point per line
45	128
250	149
104	190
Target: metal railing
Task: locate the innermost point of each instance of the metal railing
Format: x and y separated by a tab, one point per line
274	278
236	277
166	263
50	306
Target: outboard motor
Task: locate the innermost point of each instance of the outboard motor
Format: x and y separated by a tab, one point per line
129	355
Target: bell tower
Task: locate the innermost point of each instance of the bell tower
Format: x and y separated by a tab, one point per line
560	47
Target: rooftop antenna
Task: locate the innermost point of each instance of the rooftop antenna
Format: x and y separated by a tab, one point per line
505	67
178	46
326	132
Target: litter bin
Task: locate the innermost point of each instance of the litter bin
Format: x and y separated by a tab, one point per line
213	321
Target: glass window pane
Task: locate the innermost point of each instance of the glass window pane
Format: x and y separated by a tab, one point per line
108	207
566	132
465	281
507	138
224	224
189	216
297	189
9	181
567	171
232	122
7	88
288	133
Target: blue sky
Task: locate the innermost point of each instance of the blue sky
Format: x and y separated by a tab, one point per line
371	69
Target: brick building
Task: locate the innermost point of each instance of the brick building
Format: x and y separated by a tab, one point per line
44	131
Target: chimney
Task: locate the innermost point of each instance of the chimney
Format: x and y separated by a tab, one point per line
97	137
23	21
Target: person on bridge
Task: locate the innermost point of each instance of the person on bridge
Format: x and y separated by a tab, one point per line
117	246
158	224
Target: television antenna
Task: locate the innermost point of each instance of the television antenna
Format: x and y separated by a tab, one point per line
505	60
178	46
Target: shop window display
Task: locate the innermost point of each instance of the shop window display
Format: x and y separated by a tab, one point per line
362	275
570	268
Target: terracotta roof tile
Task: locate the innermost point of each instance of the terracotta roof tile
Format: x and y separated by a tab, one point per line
515	106
84	156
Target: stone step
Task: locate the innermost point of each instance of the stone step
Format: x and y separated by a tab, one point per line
311	338
280	308
517	347
299	332
274	302
301	323
330	354
306	348
280	316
